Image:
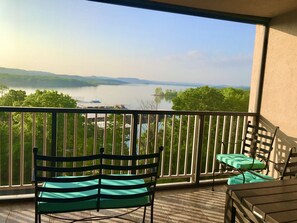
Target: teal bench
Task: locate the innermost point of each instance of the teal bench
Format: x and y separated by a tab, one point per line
103	182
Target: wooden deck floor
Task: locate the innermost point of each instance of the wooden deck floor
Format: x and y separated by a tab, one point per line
186	205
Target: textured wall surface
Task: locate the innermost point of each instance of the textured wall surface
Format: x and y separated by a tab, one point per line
279	104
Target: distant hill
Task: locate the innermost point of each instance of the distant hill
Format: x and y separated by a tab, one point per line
12	77
142	81
23	78
4	70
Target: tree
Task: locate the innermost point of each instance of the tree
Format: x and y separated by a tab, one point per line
199	99
159	91
22	125
49	98
52	98
13	98
3	89
170	94
206	99
235	99
212	99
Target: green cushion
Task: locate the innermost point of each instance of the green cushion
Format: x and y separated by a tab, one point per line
252	177
50	207
240	161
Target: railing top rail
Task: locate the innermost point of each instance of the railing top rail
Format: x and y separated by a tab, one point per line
119	111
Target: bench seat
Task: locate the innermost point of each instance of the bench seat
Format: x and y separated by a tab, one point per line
45	207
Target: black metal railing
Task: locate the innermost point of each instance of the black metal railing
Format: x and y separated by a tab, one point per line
191	139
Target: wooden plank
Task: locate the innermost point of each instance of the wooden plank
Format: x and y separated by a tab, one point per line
267	209
264	199
282	217
262	185
240	195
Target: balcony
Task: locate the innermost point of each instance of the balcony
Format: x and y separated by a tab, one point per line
190	139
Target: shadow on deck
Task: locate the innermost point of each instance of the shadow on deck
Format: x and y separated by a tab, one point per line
183	205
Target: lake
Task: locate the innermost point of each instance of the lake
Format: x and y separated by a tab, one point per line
138	96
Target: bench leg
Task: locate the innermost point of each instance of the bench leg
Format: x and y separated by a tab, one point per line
233	215
144	212
152	213
37	218
213	179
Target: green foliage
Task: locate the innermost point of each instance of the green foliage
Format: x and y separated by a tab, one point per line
3	89
49	98
13	98
235	99
160	95
159	91
201	99
169	94
21	126
212	99
75	133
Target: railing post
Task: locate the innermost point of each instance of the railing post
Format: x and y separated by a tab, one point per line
134	138
54	136
200	145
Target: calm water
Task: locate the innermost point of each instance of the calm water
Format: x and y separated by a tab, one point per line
131	96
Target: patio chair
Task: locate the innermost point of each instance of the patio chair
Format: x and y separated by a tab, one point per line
256	149
288	168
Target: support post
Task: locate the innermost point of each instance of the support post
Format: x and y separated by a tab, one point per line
262	73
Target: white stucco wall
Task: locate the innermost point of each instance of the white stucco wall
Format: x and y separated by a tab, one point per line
279	102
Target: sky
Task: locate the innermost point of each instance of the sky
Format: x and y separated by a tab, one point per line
88	38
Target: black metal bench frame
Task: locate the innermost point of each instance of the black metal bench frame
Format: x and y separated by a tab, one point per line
129	179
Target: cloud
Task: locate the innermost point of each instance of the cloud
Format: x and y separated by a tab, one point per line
224	60
206	67
207	58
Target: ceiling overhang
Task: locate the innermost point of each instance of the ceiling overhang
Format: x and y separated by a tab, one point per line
246	11
186	10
